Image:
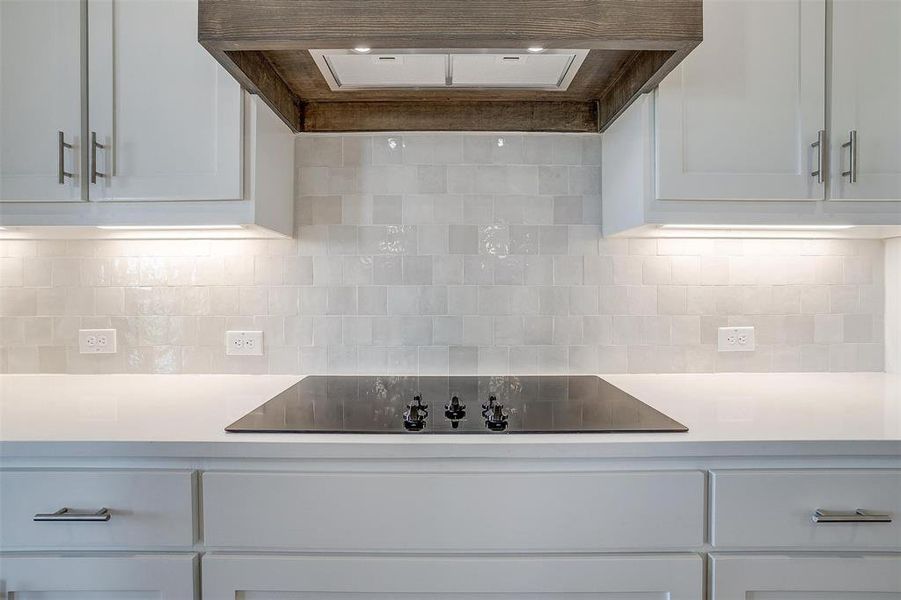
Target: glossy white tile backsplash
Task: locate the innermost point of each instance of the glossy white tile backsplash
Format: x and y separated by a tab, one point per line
893	305
442	254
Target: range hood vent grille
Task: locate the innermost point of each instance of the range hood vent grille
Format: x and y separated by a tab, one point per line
405	69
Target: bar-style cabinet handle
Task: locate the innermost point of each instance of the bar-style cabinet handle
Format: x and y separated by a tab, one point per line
857	516
66	514
61	157
851	145
819	145
94	145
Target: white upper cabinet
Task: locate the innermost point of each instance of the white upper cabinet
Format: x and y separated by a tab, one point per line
737	118
737	134
40	96
866	100
166	116
167	138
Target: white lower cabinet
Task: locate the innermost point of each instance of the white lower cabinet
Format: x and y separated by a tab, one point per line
805	577
99	577
285	577
502	531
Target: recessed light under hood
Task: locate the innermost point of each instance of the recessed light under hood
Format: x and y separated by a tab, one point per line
486	65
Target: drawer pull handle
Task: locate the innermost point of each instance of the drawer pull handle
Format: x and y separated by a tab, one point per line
65	514
858	516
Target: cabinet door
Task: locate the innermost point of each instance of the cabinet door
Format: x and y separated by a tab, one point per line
167	116
735	120
786	577
40	95
866	98
281	577
108	577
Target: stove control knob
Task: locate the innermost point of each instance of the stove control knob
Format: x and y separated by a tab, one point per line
495	417
415	415
455	410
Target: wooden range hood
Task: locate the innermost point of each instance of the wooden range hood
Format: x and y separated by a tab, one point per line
631	44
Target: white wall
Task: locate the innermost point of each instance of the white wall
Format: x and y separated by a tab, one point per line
893	305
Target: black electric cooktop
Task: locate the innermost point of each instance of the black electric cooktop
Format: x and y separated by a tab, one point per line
423	405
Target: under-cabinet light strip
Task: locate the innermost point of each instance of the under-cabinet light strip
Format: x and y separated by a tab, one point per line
166	227
762	227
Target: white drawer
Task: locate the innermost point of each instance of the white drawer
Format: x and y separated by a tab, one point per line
98	576
670	576
805	576
774	509
147	509
488	512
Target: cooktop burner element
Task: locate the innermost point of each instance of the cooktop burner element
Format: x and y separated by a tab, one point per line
511	404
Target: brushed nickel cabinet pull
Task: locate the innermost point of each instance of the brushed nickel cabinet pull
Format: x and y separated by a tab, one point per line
857	516
819	145
94	145
61	157
65	514
851	145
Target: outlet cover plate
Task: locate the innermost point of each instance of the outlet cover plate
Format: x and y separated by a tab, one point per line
736	339
244	343
97	341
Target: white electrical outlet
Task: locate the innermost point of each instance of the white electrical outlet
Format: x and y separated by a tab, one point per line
97	341
736	339
244	343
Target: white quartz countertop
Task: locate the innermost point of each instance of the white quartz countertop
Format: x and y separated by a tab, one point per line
185	416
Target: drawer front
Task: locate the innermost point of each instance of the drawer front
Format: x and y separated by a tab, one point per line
805	577
112	576
147	509
606	577
774	509
490	512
